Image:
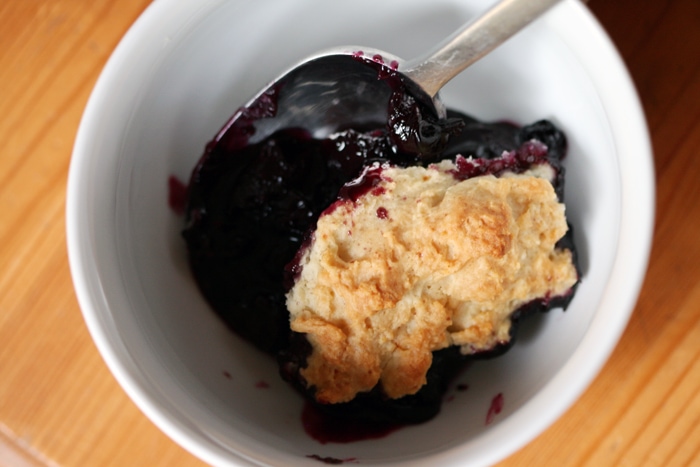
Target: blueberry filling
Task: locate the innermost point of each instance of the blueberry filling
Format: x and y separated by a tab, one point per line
251	207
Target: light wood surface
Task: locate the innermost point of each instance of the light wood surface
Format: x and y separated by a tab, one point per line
60	406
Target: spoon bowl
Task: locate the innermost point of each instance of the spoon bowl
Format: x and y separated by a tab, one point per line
326	92
351	86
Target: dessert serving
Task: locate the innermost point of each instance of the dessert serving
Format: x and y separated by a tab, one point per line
375	262
419	262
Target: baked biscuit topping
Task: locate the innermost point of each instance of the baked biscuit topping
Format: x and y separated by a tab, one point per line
421	262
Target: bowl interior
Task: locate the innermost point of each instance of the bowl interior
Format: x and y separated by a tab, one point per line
175	79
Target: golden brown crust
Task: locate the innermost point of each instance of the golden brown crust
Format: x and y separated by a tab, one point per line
447	265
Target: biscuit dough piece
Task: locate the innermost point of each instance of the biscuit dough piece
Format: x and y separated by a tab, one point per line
420	262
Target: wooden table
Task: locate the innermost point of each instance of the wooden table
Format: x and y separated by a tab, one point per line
60	406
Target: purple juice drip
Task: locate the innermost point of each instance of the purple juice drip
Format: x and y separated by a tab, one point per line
177	195
495	408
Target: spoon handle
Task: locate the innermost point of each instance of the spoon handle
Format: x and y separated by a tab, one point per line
473	41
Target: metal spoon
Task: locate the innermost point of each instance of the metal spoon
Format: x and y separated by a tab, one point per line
337	88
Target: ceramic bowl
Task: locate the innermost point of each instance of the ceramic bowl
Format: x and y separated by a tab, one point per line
175	78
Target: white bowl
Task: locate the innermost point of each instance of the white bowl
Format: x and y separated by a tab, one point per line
179	73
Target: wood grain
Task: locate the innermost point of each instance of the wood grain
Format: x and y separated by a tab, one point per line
60	406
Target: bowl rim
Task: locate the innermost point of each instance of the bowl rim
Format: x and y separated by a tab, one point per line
591	45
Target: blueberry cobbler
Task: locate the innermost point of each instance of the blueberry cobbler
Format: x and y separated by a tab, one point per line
373	264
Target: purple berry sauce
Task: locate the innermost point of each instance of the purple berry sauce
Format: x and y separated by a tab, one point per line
177	195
